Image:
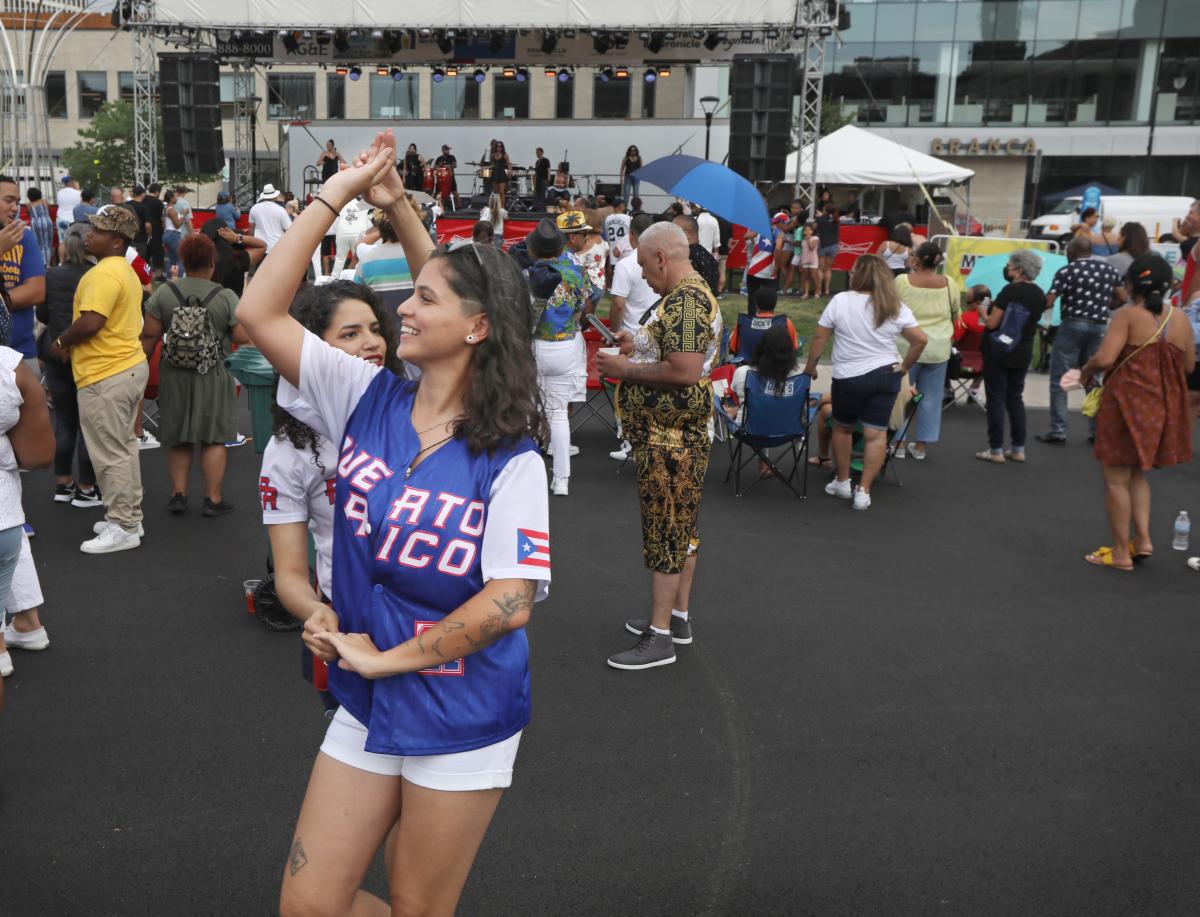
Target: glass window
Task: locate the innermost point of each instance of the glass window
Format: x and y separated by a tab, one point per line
10	97
1099	18
1050	100
887	76
1143	19
291	96
1016	21
1104	79
1182	21
1008	90
335	96
843	82
93	91
862	24
510	97
972	24
935	21
895	22
1057	19
455	97
125	86
648	98
1180	65
228	95
929	82
611	98
973	66
56	94
394	98
564	98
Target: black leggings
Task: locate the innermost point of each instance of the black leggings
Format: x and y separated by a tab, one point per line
67	437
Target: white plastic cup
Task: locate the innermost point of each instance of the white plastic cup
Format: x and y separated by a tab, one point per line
611	351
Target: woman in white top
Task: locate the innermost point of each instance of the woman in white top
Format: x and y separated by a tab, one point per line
26	442
495	214
896	250
171	233
866	320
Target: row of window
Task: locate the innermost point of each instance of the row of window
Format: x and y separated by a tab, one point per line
292	96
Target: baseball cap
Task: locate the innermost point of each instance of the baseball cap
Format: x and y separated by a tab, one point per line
780	218
115	219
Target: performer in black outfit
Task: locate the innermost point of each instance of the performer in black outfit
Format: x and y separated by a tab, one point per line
541	178
328	161
414	169
450	161
501	166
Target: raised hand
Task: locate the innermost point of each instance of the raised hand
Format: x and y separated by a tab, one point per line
390	189
350	182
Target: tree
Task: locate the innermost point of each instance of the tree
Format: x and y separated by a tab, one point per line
833	118
102	157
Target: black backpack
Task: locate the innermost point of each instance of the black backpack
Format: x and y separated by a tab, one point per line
192	342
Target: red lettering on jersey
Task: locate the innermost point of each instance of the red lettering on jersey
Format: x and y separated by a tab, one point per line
408	558
413	501
356	511
331	489
467	527
449	503
447	564
268	494
454	667
371	474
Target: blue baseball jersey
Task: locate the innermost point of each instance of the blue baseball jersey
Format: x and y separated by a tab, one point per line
411	545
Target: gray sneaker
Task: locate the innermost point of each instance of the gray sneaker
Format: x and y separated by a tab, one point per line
681	630
650	651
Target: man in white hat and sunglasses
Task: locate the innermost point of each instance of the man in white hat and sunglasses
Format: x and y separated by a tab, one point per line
268	218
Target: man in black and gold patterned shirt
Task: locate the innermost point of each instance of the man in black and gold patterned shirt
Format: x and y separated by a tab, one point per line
665	402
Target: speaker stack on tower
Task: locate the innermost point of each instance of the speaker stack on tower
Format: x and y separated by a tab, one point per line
760	118
190	90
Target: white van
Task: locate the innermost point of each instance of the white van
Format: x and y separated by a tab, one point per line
1156	214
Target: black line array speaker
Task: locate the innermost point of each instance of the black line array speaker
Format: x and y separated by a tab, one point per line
761	87
190	92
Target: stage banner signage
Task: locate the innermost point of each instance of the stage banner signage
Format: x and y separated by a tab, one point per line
961	252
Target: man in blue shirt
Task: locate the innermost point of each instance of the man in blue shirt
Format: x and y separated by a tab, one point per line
22	270
226	210
86	206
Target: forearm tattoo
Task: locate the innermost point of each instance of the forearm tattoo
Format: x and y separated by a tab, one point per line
297	858
497	624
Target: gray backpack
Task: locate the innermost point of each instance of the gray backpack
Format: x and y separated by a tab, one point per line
192	342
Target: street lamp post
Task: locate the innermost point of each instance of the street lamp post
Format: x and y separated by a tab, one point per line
709	104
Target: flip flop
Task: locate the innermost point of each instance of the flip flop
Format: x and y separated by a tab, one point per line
1103	557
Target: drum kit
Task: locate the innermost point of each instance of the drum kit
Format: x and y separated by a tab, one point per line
520	196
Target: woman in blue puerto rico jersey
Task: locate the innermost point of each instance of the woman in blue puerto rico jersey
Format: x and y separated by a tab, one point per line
440	549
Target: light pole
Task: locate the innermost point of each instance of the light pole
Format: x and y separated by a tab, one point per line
709	104
254	101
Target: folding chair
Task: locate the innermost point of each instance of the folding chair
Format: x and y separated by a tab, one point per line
970	351
771	419
598	393
910	411
150	412
750	330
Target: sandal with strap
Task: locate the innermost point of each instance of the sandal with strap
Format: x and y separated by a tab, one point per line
1139	556
820	461
996	458
1103	557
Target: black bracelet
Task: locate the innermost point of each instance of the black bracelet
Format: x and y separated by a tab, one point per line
326	203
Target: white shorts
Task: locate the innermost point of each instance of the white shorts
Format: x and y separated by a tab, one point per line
26	590
487	768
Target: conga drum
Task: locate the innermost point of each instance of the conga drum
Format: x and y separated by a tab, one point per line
444	176
428	182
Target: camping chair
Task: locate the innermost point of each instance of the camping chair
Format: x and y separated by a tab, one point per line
858	442
750	331
969	369
770	419
599	391
150	412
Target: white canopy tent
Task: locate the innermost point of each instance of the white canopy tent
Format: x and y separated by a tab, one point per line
852	156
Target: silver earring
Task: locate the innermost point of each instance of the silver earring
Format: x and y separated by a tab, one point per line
470	338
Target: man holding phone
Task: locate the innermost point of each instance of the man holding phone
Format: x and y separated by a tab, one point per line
22	271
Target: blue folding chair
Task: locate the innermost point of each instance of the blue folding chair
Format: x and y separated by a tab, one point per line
771	419
750	331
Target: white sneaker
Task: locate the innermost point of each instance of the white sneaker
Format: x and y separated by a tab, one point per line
5	664
840	489
147	441
112	539
558	487
900	452
239	440
104	523
621	454
862	499
573	451
30	640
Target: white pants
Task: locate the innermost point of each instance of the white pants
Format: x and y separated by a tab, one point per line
343	242
25	591
557	365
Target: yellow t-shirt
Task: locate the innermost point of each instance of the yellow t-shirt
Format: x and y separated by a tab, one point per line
111	288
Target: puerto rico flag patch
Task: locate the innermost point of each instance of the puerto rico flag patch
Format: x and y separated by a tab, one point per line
533	548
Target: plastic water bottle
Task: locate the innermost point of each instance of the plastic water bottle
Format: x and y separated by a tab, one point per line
1183	527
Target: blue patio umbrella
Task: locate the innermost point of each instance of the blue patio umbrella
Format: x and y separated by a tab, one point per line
711	185
989	270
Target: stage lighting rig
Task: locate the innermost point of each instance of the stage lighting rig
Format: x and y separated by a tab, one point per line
445	42
549	42
355	73
654	43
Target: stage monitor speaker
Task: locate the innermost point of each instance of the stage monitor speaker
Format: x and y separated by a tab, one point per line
608	189
761	89
190	95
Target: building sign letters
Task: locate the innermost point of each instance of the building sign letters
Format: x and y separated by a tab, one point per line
992	146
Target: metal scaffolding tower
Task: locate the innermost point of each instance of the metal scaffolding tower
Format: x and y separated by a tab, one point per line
243	181
816	21
145	94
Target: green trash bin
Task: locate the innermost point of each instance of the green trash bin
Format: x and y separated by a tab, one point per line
251	368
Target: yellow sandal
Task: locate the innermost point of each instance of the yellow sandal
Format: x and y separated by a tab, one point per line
1103	557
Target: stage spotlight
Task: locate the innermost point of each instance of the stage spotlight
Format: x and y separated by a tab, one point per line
377	33
772	34
355	73
651	76
522	74
569	33
289	42
395	41
644	36
508	72
381	70
438	74
397	74
341	70
496	42
424	33
622	73
551	72
549	42
711	41
564	75
451	71
306	35
655	42
747	35
445	42
664	72
479	75
340	41
601	42
606	74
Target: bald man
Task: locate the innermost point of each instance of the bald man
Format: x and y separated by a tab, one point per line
664	400
702	260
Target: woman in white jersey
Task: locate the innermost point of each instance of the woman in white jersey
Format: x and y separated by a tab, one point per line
441	547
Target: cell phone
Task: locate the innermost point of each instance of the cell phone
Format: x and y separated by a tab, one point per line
600	328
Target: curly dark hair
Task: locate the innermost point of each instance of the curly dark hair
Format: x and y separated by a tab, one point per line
313	308
774	357
502	403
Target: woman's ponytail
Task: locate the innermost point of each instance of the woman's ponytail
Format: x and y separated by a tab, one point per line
1154	302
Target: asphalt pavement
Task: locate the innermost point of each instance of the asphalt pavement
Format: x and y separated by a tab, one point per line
934	707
